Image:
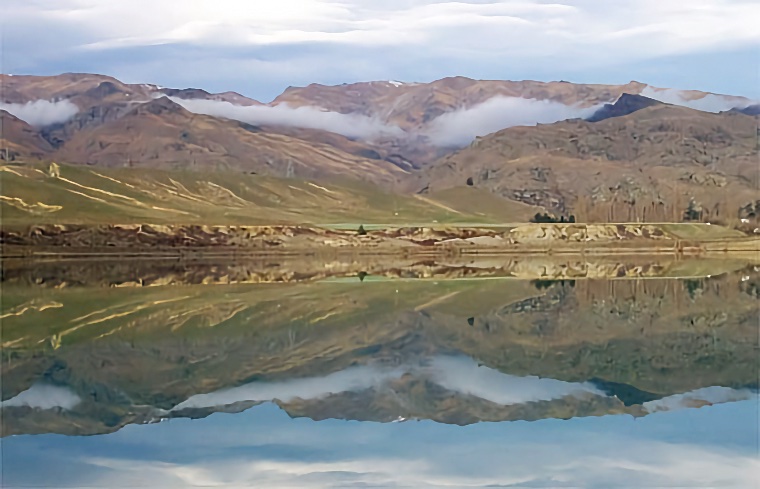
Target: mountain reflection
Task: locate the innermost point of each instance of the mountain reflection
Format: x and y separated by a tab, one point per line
257	368
460	375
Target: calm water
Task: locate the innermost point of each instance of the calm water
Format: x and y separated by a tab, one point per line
157	374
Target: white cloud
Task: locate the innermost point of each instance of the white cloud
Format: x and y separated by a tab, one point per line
388	457
350	125
44	396
639	27
459	374
699	397
708	103
240	45
462	374
42	112
460	127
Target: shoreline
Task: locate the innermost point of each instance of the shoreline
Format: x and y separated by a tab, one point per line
113	271
190	241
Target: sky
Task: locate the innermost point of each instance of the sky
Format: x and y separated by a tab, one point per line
259	48
715	446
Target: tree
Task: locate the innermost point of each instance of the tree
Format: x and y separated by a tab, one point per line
693	212
470	182
361	231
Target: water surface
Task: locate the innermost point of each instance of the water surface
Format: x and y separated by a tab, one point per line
313	374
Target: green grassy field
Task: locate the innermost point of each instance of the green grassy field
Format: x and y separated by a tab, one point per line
700	231
107	195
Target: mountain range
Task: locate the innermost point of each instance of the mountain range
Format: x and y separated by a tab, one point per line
604	152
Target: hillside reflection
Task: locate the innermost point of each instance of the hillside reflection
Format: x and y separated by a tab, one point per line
262	371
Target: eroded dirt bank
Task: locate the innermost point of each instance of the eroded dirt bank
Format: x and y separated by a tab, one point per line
177	239
118	272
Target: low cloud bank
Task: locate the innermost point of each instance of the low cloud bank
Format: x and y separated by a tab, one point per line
458	374
708	103
459	128
463	375
699	397
44	396
349	125
40	113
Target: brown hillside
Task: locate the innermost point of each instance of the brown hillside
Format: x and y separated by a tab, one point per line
412	105
161	134
20	140
661	155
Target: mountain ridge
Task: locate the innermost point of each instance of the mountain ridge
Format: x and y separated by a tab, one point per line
114	126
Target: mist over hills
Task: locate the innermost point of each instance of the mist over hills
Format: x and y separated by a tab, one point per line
514	140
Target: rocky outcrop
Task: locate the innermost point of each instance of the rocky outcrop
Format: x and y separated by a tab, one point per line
626	104
580	233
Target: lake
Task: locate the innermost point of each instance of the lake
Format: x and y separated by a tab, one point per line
314	372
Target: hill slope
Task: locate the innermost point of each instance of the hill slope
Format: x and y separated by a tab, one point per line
19	140
412	108
162	134
660	156
120	195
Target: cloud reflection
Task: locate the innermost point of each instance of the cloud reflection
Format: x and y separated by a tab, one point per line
263	447
455	373
44	396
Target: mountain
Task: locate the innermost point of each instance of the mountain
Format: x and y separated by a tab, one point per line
19	140
199	94
626	104
749	110
555	166
654	160
414	108
87	90
162	134
413	105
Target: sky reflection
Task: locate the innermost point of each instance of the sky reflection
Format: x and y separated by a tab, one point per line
263	447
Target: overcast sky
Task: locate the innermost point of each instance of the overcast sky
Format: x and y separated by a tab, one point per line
259	48
713	446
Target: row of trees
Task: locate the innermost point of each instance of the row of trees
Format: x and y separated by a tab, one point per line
650	210
546	217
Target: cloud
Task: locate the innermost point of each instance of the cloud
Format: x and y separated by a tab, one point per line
540	25
462	374
361	39
44	396
708	103
42	112
349	125
459	128
351	379
713	447
654	464
459	374
699	397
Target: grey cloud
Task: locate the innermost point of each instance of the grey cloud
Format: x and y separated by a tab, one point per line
44	396
462	374
350	125
460	127
351	379
590	40
708	103
706	395
42	112
459	374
